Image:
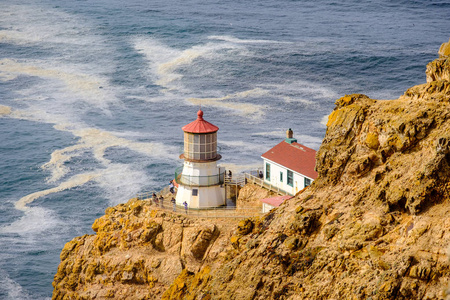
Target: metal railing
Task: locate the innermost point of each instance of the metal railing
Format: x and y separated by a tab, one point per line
205	212
189	180
238	179
259	181
213	212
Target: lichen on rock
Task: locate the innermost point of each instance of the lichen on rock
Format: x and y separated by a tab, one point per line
136	253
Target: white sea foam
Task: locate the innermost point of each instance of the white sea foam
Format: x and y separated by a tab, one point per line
73	79
72	82
98	141
232	39
276	133
25	24
11	288
254	111
300	91
83	85
58	159
160	55
121	182
307	140
35	220
246	146
257	92
238	168
37	114
74	181
289	99
165	61
183	58
324	120
128	134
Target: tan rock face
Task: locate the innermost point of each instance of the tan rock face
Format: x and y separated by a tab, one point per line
137	253
438	71
375	224
445	49
250	195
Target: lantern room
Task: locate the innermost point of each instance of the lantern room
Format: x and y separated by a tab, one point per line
200	140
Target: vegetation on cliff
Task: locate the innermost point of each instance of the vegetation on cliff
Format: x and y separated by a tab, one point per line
375	224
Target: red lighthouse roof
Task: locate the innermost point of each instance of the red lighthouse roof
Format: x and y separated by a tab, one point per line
200	125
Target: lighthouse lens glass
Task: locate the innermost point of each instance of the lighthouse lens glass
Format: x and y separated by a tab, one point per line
200	146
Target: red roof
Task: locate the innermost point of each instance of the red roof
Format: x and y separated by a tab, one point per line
200	125
295	157
276	201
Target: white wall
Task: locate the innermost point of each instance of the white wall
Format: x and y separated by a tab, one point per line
275	169
207	196
201	173
200	169
211	196
266	207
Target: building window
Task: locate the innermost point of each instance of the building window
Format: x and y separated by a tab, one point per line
290	178
194	192
281	176
307	181
267	171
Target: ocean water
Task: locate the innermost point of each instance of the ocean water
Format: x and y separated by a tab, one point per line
93	95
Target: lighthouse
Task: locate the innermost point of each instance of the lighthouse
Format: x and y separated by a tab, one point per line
201	182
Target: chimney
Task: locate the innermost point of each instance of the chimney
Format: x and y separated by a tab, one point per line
289	133
290	136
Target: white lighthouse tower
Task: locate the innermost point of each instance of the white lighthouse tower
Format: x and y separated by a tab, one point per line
201	183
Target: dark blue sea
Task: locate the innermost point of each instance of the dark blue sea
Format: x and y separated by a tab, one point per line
93	95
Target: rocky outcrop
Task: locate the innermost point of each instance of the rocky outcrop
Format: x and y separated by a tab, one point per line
438	78
444	50
250	195
137	253
447	292
395	152
374	225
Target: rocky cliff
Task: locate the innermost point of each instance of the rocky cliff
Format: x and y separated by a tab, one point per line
374	225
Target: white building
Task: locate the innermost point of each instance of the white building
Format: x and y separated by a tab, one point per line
201	183
270	203
290	165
